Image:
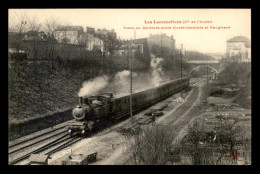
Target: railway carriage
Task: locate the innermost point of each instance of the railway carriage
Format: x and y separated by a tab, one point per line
95	111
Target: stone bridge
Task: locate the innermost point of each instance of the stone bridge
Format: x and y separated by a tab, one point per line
213	65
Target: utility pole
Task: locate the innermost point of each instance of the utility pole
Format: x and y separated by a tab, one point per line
181	69
131	112
161	46
131	82
207	69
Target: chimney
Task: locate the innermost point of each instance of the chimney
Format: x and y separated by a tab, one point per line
111	95
80	100
85	100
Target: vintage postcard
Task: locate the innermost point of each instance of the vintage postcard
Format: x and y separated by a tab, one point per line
129	86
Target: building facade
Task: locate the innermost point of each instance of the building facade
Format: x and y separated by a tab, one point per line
239	49
69	34
94	43
130	46
109	33
161	40
101	39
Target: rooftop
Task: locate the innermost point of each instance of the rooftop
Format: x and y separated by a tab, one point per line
238	39
141	40
241	39
69	28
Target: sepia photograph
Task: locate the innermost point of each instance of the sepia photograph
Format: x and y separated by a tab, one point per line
96	86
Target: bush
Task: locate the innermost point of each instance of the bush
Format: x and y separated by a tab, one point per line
212	104
153	145
18	57
216	92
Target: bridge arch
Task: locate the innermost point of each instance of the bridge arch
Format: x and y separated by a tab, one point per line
204	66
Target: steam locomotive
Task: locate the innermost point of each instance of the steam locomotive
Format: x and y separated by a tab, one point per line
101	110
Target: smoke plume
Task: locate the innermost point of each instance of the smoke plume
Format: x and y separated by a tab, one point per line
92	87
157	72
120	82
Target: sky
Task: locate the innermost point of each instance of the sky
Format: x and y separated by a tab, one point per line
237	21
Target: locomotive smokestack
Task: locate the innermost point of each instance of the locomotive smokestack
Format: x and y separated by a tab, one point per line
85	100
80	100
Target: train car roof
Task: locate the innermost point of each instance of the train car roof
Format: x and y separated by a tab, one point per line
103	95
120	95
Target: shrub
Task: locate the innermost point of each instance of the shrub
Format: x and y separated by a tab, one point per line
153	145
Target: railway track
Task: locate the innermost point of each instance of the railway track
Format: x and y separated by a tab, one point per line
61	145
59	140
21	146
180	111
64	145
50	148
187	110
16	143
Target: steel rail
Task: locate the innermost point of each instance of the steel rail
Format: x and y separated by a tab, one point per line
29	139
37	142
39	149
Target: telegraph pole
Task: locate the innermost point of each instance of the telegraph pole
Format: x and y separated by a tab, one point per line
207	70
131	112
131	82
181	68
161	46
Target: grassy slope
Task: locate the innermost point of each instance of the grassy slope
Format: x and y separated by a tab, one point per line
39	89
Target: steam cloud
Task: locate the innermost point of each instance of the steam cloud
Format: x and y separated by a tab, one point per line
120	83
92	87
157	71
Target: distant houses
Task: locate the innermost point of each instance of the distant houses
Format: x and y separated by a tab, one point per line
238	49
72	42
128	47
69	34
161	41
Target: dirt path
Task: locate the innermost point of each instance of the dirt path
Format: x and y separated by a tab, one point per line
114	159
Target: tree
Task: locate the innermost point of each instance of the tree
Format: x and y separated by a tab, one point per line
236	73
153	145
33	35
49	26
208	147
194	143
18	26
231	133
